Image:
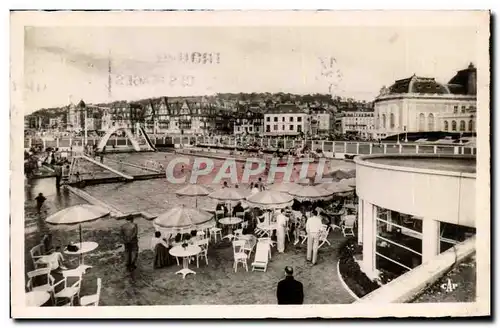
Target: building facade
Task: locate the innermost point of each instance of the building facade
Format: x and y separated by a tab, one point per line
359	123
320	121
419	104
285	119
249	122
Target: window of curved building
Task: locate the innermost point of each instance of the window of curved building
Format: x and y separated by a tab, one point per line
421	122
446	127
430	122
452	234
383	121
471	125
453	126
392	120
398	242
462	126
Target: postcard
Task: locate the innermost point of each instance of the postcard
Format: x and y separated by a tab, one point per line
250	164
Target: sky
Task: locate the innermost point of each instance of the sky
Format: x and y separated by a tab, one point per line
66	64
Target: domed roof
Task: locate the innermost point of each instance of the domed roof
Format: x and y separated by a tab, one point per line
417	84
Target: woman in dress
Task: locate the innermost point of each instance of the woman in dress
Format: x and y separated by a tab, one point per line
161	248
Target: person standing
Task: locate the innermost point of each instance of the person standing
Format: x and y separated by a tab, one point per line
290	291
313	226
40	199
58	171
281	221
129	232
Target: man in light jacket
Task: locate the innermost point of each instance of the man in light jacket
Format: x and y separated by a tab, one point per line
313	226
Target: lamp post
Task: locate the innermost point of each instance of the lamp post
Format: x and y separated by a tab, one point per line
406	134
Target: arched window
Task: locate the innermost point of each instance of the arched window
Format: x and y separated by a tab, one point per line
421	122
462	126
471	126
430	122
392	120
453	126
383	121
446	127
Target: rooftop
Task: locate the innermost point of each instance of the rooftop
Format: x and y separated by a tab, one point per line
450	164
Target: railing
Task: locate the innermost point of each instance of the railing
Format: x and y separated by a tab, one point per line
329	148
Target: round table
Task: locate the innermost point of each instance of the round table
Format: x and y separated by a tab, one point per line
185	253
230	221
84	247
36	298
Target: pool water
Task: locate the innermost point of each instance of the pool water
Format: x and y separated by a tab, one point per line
158	195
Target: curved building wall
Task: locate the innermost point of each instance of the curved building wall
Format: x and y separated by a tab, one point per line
441	195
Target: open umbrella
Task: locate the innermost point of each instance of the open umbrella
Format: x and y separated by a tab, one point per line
78	214
284	186
230	195
311	194
336	187
193	190
338	175
305	181
270	199
349	182
183	219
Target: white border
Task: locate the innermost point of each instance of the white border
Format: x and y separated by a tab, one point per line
313	311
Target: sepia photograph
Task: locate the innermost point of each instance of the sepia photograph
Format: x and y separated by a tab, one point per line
303	163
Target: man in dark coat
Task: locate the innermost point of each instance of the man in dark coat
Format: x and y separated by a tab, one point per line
129	233
290	291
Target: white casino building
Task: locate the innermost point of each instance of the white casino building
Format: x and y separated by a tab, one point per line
413	207
421	104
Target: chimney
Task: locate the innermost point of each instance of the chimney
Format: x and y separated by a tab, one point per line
471	80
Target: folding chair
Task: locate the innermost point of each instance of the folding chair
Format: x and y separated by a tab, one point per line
261	257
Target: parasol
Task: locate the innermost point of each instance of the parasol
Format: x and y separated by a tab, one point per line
336	187
284	186
270	199
230	195
183	219
193	190
311	194
349	182
78	214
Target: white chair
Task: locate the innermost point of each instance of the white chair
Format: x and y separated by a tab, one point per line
347	225
69	291
248	247
39	259
261	257
203	244
323	235
41	280
239	255
92	300
268	241
214	232
238	233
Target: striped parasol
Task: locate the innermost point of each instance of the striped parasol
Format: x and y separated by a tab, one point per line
183	219
270	199
311	194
